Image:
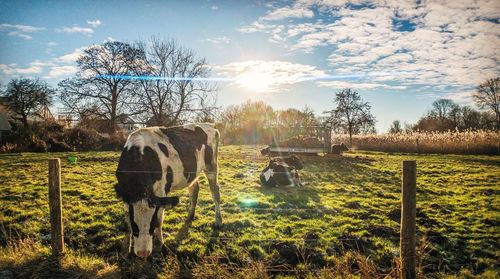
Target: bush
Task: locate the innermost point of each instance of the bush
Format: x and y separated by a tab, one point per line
35	144
52	137
83	139
114	142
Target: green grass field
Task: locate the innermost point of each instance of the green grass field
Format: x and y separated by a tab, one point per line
343	222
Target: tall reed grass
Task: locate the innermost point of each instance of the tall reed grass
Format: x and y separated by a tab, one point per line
452	142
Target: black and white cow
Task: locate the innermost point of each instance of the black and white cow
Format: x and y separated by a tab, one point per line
279	173
339	148
291	160
156	161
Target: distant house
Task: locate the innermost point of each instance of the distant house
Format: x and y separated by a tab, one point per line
4	125
43	114
65	118
4	107
128	125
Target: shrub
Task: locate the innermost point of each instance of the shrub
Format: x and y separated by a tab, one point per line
114	142
83	139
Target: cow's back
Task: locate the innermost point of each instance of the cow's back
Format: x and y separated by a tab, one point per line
161	160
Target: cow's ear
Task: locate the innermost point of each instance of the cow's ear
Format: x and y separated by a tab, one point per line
168	202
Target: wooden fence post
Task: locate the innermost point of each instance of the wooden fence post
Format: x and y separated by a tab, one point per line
55	204
408	216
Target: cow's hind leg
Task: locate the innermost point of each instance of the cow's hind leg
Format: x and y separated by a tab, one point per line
214	188
194	189
158	234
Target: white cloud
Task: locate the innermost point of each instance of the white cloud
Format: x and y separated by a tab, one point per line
21	35
255	27
61	71
21	28
54	68
71	57
294	12
77	29
18	30
14	70
337	84
214	7
94	23
450	42
218	40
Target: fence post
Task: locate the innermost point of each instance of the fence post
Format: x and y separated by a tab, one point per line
408	216
55	204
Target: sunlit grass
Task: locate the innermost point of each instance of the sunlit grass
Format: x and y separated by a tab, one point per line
347	212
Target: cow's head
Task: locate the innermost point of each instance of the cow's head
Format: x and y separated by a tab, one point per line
143	217
294	161
343	147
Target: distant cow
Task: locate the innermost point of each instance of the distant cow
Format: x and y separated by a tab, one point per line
278	173
156	161
339	148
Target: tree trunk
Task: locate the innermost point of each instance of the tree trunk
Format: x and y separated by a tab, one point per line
350	135
114	101
25	121
498	120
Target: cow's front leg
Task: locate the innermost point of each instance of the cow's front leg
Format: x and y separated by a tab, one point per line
127	241
194	189
298	182
158	234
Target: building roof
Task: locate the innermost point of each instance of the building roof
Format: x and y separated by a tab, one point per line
4	124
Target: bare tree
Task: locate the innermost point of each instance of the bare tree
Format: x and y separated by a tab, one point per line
396	127
173	89
351	115
27	96
487	96
103	81
443	108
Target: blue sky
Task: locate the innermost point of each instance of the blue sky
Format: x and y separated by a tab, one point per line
400	55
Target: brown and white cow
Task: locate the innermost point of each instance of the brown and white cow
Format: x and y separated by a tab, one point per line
155	162
282	171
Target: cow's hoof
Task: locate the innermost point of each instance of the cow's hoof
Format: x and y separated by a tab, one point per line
218	224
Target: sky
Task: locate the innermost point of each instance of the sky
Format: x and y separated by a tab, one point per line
399	55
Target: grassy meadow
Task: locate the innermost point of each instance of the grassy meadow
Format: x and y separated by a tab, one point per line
343	223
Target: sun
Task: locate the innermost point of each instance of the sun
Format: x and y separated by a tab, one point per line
255	81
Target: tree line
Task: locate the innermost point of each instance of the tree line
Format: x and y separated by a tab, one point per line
446	115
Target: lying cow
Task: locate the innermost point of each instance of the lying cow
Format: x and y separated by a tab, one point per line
156	161
339	148
279	173
292	160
